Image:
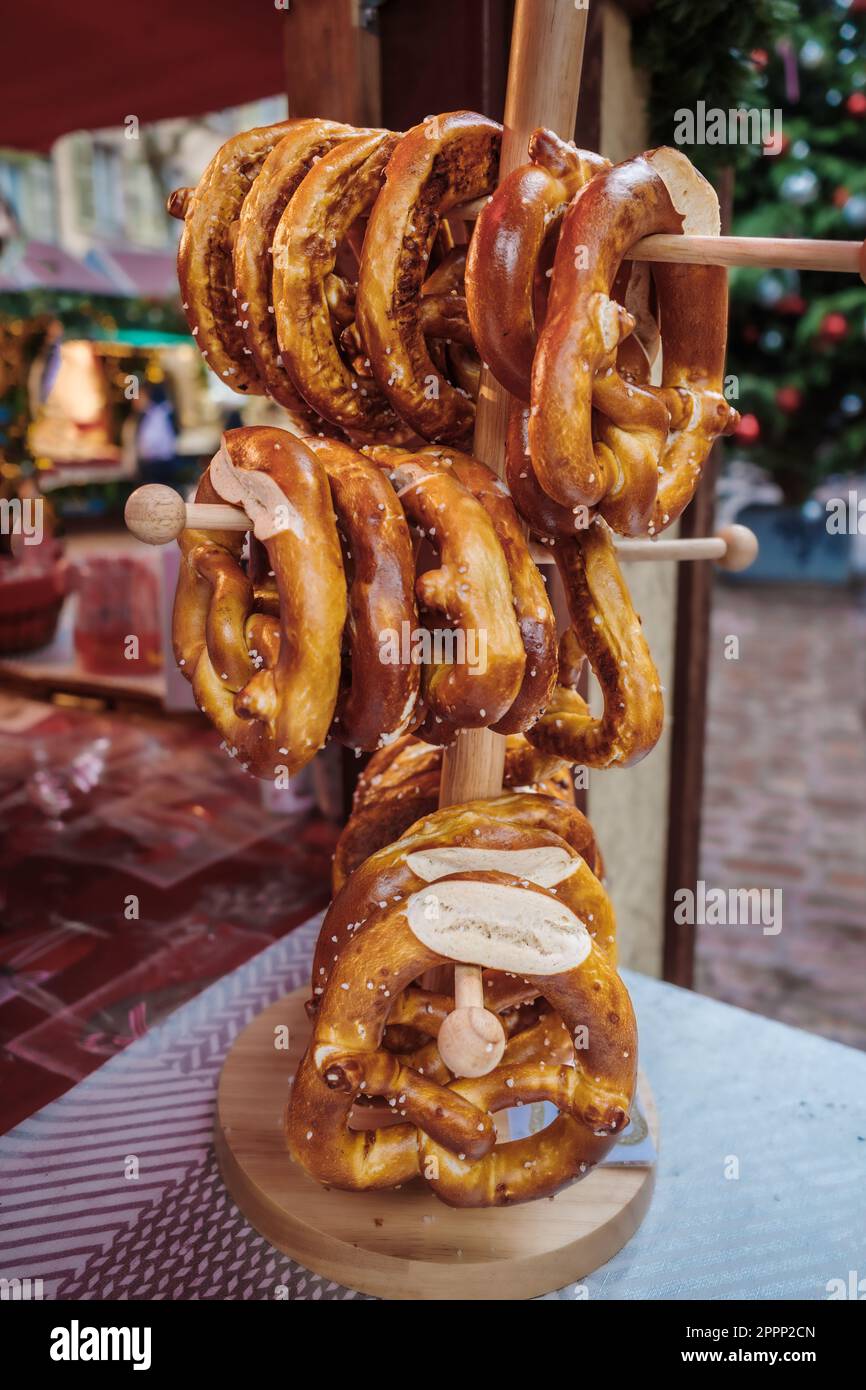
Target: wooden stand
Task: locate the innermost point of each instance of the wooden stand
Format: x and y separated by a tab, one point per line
404	1244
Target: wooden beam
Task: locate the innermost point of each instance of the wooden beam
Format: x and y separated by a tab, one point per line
689	695
331	54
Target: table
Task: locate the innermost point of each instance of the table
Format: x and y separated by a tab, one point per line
733	1089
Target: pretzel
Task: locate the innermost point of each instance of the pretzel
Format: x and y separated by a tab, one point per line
443	162
401	783
575	383
471	589
532	608
502	823
497	919
380	697
204	260
607	629
510	251
282	171
272	698
338	191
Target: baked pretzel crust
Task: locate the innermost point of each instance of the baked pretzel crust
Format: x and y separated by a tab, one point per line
269	686
281	173
443	162
379	700
507	253
607	629
204	260
339	190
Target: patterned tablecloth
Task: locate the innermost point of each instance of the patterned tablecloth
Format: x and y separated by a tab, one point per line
760	1190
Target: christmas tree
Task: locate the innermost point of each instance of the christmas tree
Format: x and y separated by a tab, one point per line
796	341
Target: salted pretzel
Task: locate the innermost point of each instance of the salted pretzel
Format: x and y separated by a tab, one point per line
289	161
325	210
401	783
532	609
380	696
607	630
501	822
507	921
597	437
511	250
269	685
471	590
445	161
204	260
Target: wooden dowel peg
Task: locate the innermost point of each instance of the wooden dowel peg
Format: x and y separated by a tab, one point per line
471	1040
733	548
156	514
770	253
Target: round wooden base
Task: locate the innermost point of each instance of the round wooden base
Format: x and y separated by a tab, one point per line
404	1243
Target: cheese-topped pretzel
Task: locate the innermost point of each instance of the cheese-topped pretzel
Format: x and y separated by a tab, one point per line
597	438
506	822
532	609
269	687
607	629
380	696
445	161
511	249
204	259
401	783
471	589
493	918
282	171
326	207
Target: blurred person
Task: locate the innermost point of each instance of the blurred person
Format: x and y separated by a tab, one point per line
156	435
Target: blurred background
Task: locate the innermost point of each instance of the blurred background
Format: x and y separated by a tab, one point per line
138	864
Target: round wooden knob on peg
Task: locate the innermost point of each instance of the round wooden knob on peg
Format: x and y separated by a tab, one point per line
156	514
741	548
471	1040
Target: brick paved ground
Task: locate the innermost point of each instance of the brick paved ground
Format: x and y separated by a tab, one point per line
785	804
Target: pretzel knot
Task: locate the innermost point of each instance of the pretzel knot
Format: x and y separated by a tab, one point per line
270	686
598	437
445	161
470	589
511	250
266	660
607	630
494	917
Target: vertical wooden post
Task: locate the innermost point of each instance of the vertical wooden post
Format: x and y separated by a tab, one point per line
543	84
332	62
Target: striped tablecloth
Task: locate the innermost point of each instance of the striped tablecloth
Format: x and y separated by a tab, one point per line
761	1189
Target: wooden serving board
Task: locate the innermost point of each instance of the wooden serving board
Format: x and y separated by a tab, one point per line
404	1244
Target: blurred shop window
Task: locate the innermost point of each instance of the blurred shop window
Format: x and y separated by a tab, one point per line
147	222
108	188
27	188
12	186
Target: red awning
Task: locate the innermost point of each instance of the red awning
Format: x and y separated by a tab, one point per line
84	67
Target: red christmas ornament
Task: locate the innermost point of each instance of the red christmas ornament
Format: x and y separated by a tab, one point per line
791	304
748	431
840	197
759	57
834	327
789	399
856	103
